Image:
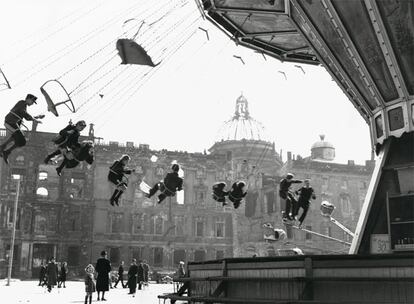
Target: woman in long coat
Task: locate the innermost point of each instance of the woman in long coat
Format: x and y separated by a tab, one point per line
132	277
103	267
51	274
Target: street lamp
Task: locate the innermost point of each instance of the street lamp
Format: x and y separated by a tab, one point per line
17	178
326	210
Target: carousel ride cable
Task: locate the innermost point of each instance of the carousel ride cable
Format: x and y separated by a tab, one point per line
149	44
148	76
68	100
92	55
170	29
29	48
75	46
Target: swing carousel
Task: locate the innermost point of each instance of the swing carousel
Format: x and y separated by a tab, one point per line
366	46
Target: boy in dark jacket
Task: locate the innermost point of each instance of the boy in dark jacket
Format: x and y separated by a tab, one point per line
67	140
13	122
305	194
72	159
117	176
237	193
219	194
286	194
169	186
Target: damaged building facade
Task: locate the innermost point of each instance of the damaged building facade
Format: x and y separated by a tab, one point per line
70	217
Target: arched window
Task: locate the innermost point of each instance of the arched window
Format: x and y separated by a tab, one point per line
180	197
346	206
42	175
20	158
42	191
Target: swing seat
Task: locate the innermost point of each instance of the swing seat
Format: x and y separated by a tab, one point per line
269	238
132	53
280	234
51	105
327	209
144	187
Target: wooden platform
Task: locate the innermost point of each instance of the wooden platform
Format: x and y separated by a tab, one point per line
300	279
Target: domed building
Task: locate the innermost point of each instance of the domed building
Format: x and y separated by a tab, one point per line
323	150
250	156
244	142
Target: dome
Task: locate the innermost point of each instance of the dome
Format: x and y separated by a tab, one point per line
241	125
323	150
322	143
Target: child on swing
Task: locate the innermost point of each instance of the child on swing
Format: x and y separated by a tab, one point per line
237	193
219	193
13	122
169	186
83	153
117	176
67	140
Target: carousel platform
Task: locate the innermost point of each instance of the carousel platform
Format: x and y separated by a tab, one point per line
299	279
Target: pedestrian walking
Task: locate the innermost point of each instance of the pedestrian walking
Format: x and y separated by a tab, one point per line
42	274
52	274
146	267
140	275
132	277
120	275
90	284
62	275
103	267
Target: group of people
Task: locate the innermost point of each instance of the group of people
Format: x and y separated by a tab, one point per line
295	200
235	194
73	152
117	176
138	274
67	142
50	275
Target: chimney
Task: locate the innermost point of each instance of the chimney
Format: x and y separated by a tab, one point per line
34	126
289	156
91	131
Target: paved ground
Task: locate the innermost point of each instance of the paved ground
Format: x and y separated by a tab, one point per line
21	292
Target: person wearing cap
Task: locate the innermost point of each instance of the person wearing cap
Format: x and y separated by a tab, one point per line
169	185
117	177
13	122
286	194
103	268
68	139
305	194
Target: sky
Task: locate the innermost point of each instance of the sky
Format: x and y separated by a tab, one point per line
182	103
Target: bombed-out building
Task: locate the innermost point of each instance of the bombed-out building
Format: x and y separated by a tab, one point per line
70	217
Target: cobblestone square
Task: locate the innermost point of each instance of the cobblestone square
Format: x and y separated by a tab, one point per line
28	292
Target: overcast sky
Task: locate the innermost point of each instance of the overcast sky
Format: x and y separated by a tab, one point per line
182	103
